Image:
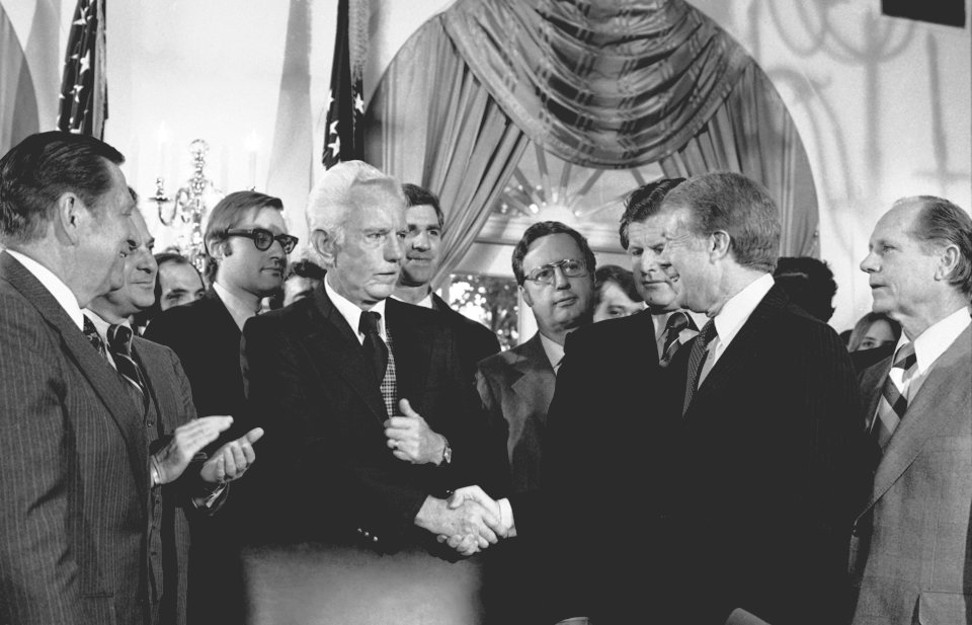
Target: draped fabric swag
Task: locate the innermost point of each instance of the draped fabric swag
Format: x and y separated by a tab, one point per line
432	123
597	83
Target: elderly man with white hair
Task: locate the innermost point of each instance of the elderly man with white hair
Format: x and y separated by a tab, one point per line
369	423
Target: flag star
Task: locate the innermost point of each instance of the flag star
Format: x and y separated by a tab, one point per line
359	103
335	146
86	62
330	98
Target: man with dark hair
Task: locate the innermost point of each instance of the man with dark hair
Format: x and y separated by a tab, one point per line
615	293
673	326
180	482
809	283
766	446
423	241
74	468
911	562
247	246
301	279
179	282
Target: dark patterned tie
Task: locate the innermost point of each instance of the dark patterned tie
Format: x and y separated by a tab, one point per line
91	333
893	404
120	346
677	322
696	360
374	349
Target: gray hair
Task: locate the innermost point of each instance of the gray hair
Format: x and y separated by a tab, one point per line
940	222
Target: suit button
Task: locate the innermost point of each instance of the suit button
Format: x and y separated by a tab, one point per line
374	539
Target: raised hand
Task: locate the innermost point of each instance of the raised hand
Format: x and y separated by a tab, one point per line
411	439
188	439
232	459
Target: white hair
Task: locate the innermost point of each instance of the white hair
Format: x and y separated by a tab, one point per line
345	187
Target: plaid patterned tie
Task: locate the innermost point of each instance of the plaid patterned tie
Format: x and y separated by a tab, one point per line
379	354
677	322
893	403
696	360
120	346
91	333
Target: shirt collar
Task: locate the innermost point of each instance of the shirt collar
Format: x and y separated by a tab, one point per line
240	310
425	302
55	286
740	306
102	325
554	351
352	312
937	338
661	320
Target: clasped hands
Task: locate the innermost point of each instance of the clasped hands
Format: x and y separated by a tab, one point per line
228	463
480	523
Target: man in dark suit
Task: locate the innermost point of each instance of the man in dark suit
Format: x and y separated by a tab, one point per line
153	377
423	241
74	469
247	246
369	423
765	459
911	562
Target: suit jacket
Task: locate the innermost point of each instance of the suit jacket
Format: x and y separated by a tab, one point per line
517	385
476	341
767	466
206	339
73	470
171	398
602	460
327	468
911	556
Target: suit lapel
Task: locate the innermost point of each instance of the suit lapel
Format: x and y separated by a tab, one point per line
338	346
414	342
741	350
927	414
104	380
536	380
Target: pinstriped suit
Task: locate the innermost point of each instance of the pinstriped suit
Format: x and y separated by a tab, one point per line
73	470
912	553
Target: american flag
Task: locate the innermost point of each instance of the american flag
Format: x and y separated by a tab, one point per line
344	132
83	105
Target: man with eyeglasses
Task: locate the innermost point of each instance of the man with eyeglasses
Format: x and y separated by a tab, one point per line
554	267
247	245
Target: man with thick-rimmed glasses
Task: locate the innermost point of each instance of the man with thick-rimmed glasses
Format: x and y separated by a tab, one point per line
247	245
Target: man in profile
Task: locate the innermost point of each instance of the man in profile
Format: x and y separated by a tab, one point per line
74	467
918	412
369	422
423	246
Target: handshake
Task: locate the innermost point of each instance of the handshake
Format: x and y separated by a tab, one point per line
469	521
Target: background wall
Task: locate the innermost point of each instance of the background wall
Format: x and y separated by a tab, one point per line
884	105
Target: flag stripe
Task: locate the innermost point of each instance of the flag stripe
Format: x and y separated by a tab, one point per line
83	104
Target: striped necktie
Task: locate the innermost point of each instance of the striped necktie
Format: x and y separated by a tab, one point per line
678	321
120	346
91	333
893	403
696	360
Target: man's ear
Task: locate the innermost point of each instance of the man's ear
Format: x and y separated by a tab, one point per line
526	296
948	260
70	214
220	249
719	243
325	245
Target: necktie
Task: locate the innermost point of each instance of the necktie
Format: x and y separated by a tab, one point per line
677	322
120	346
91	333
696	360
374	349
893	403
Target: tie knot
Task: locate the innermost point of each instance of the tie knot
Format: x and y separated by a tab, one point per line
91	333
905	358
707	333
368	323
120	339
678	321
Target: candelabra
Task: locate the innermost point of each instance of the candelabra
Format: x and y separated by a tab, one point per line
189	205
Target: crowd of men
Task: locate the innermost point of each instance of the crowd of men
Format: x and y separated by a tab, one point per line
715	457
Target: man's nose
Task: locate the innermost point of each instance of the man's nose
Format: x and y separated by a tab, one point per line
394	248
421	241
869	264
561	281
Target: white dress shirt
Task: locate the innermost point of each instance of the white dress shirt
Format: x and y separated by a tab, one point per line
352	312
929	346
554	352
240	310
734	314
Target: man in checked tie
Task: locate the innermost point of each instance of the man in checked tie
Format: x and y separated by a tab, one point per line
181	482
911	547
